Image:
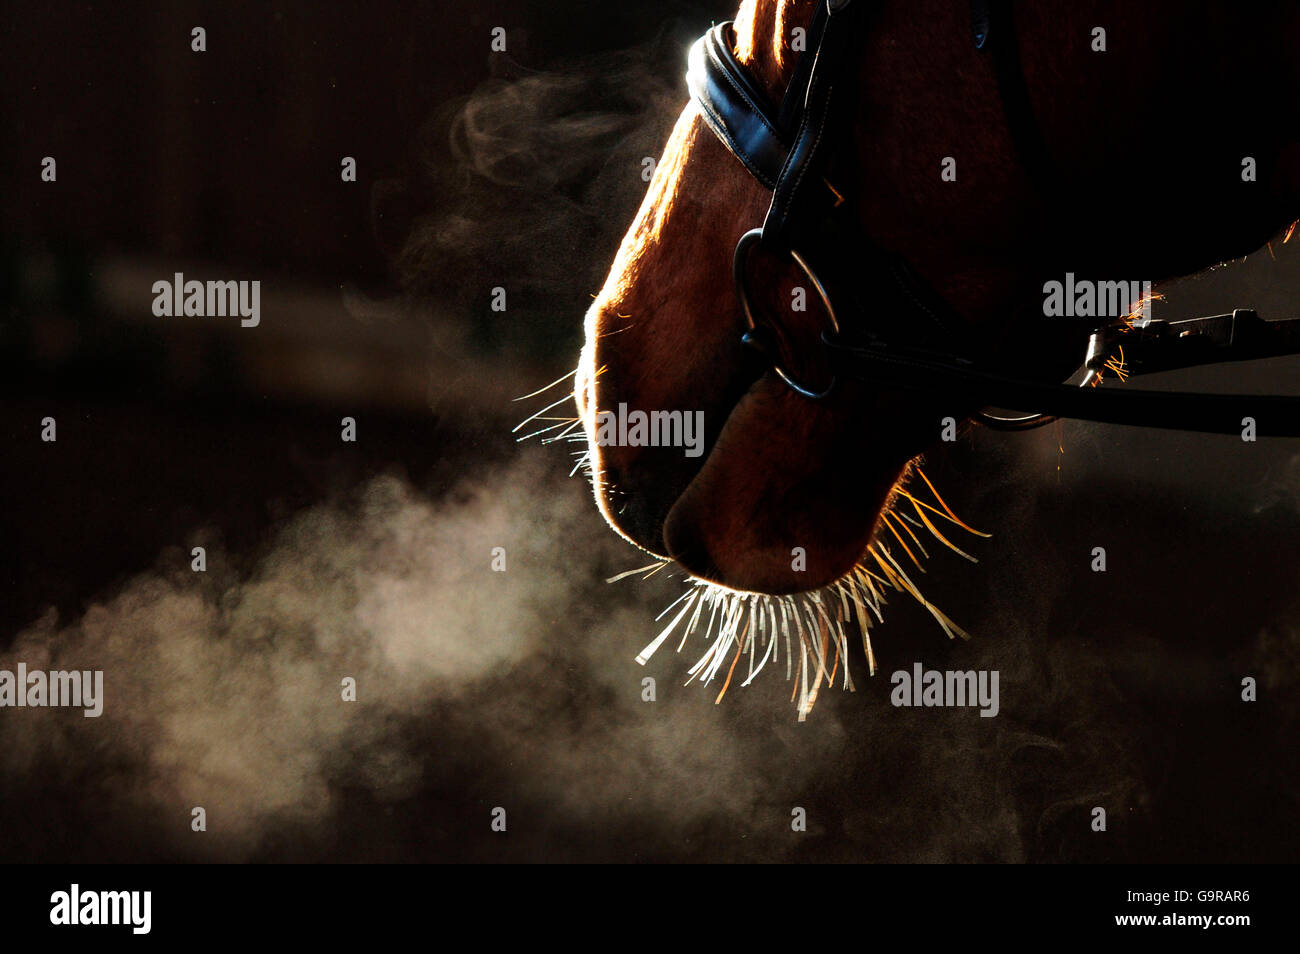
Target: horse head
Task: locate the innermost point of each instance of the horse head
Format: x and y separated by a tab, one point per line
1133	130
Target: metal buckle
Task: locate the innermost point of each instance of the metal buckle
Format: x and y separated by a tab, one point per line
759	337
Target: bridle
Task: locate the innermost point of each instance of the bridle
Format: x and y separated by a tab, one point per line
789	150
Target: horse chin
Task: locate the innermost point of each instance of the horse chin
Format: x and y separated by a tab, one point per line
699	538
785	501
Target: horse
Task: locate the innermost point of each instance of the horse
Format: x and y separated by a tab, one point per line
1163	156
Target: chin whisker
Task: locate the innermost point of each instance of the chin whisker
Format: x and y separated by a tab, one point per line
652	567
811	628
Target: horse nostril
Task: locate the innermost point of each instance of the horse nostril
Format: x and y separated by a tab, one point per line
641	520
636	514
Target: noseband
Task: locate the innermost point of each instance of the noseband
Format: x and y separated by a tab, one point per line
928	345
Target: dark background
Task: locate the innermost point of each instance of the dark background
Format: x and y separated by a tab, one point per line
479	169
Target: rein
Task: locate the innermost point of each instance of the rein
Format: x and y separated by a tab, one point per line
788	150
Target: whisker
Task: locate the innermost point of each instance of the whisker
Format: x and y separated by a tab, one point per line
565	377
564	434
752	624
951	517
565	421
646	653
906	549
662	564
640	569
533	417
942	539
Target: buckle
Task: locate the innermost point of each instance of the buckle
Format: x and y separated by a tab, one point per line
762	337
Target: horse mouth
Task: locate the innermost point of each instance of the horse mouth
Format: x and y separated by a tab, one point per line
638	501
783	499
638	489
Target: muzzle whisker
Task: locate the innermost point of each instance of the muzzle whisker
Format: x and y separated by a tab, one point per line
564	434
658	564
942	503
884	516
584	458
748	623
566	421
533	417
941	538
563	377
662	564
649	651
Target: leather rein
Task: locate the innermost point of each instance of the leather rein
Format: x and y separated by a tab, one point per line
789	149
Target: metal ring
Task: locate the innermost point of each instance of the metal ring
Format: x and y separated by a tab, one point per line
739	273
1029	421
1026	422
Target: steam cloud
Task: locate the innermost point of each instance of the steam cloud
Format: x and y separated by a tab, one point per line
529	185
479	689
223	689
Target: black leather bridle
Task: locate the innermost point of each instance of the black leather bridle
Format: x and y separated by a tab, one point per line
789	151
